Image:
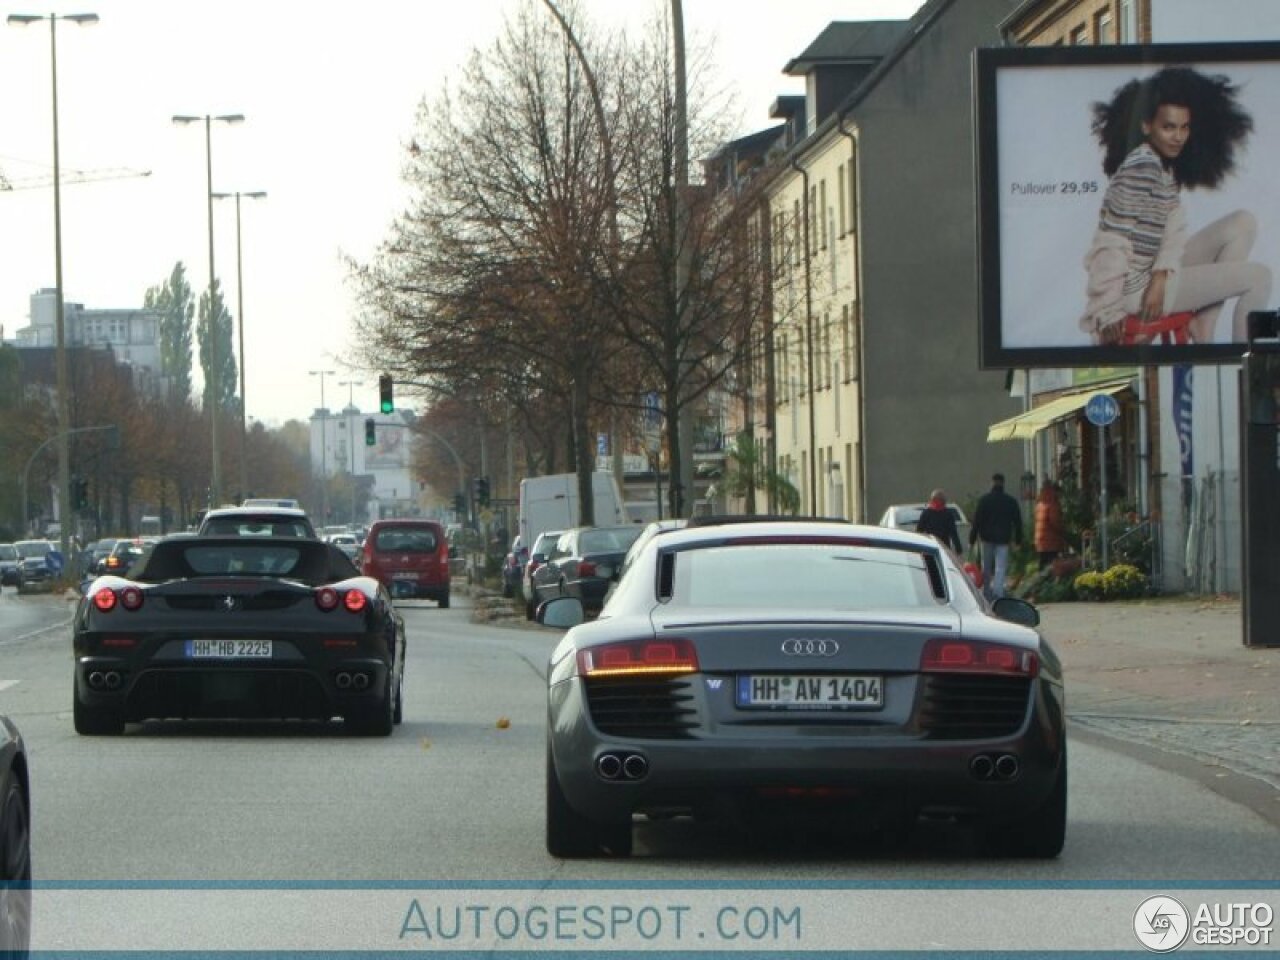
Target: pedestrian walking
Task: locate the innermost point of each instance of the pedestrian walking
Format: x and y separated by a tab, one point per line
997	524
938	521
1050	532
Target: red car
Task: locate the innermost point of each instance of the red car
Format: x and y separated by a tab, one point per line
409	557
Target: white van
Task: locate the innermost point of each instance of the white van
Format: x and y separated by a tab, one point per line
551	503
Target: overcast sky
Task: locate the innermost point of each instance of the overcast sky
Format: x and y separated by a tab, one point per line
329	94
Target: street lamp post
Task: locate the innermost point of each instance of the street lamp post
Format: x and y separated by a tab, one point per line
60	359
244	465
351	436
215	474
324	441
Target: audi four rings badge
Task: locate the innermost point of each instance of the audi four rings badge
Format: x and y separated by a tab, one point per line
795	647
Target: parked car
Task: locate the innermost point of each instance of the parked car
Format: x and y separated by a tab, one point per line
513	566
807	669
905	516
538	553
582	564
41	563
15	843
245	627
10	566
256	522
410	558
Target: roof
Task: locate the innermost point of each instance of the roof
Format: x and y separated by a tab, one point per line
849	41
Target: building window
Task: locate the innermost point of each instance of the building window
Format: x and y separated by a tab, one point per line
853	198
822	210
1103	31
813	220
118	330
798	238
840	197
1079	36
826	351
1128	21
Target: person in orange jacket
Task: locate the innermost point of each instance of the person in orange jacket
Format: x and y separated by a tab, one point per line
1051	532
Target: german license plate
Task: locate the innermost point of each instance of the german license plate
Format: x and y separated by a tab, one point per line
229	649
404	575
809	692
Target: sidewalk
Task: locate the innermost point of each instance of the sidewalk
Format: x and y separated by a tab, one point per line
1172	673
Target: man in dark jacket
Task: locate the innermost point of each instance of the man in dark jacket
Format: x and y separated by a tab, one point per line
937	520
996	524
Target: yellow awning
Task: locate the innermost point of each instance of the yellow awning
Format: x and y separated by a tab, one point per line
1026	425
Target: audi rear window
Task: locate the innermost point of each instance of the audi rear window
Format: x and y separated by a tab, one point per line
802	576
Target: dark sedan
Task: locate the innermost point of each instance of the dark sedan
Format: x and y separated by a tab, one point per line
807	668
240	627
583	563
15	843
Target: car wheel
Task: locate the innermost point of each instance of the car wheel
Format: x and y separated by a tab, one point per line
15	835
530	607
398	715
444	602
95	721
1040	833
377	719
570	835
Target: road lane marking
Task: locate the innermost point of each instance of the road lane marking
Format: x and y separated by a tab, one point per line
6	684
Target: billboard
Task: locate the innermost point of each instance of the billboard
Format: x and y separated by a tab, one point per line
1128	212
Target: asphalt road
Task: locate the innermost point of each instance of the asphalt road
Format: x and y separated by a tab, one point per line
455	795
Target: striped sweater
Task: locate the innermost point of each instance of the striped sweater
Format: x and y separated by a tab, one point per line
1140	229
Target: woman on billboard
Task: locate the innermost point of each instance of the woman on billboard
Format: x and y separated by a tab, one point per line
1148	278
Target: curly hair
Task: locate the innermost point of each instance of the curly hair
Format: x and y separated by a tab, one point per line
1218	123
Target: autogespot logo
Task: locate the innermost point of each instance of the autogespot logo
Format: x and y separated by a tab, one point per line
1161	924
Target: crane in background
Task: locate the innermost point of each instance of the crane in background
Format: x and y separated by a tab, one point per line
71	176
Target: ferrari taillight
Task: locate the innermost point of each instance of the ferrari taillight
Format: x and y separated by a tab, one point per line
355	601
326	598
131	598
105	600
976	656
639	658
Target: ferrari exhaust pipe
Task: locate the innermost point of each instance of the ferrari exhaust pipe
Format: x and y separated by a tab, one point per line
1007	766
360	681
982	767
343	680
95	680
112	679
609	766
635	767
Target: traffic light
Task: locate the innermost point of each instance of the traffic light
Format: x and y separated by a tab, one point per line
370	432
385	401
482	491
460	503
79	493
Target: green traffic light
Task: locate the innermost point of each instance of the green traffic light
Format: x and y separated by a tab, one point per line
385	388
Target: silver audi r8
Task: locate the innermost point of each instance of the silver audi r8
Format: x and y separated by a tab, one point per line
853	671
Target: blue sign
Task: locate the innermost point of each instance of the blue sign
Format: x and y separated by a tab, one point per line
1101	409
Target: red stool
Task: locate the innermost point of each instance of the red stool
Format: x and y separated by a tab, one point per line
1170	328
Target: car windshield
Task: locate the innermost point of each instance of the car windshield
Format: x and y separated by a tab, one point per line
802	576
252	527
33	548
406	540
8	551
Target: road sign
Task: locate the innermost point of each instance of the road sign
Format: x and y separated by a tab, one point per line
1102	409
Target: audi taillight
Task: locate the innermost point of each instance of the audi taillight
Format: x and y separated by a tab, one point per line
976	656
639	658
355	601
326	598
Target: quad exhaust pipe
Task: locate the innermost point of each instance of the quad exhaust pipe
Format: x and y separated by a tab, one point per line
352	681
1004	766
622	766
